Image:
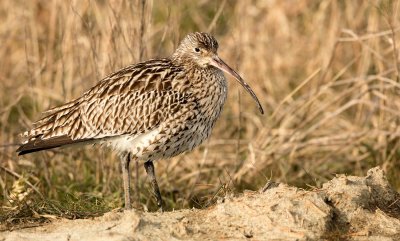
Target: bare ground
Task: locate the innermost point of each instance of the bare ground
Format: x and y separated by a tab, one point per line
345	208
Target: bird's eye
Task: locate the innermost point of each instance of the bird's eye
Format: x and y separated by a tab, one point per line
197	50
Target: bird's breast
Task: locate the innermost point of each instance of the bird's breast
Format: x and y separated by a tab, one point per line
210	101
178	135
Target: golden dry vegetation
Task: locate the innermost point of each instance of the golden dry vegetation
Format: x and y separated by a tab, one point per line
327	73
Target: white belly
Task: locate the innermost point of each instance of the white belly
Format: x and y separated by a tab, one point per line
133	144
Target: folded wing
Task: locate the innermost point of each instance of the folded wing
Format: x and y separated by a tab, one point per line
132	101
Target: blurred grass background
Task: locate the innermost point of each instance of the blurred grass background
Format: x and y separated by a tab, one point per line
327	73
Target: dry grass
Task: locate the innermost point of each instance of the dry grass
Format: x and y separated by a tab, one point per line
327	72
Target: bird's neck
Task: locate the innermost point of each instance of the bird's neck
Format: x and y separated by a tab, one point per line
199	79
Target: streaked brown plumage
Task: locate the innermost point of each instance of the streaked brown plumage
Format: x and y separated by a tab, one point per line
148	111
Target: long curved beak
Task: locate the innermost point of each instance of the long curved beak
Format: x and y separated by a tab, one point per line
220	64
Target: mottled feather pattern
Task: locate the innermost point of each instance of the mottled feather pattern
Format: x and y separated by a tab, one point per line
156	94
113	98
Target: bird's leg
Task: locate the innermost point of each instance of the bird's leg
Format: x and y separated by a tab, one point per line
137	181
126	176
149	166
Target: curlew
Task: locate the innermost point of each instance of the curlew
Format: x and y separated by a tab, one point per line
148	111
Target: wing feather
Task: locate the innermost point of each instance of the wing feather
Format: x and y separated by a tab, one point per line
131	101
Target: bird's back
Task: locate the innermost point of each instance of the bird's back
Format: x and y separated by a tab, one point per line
155	97
132	100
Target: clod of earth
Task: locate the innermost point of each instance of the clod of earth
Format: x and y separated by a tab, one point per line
345	208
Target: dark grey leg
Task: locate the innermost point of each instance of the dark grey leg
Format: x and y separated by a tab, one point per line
126	176
149	166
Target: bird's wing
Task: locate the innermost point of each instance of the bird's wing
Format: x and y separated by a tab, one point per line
134	100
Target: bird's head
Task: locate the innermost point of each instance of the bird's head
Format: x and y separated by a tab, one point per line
199	50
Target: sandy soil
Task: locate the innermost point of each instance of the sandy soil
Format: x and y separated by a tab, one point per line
345	208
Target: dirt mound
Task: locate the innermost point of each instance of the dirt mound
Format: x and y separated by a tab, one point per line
346	208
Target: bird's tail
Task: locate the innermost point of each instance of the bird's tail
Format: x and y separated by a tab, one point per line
39	144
